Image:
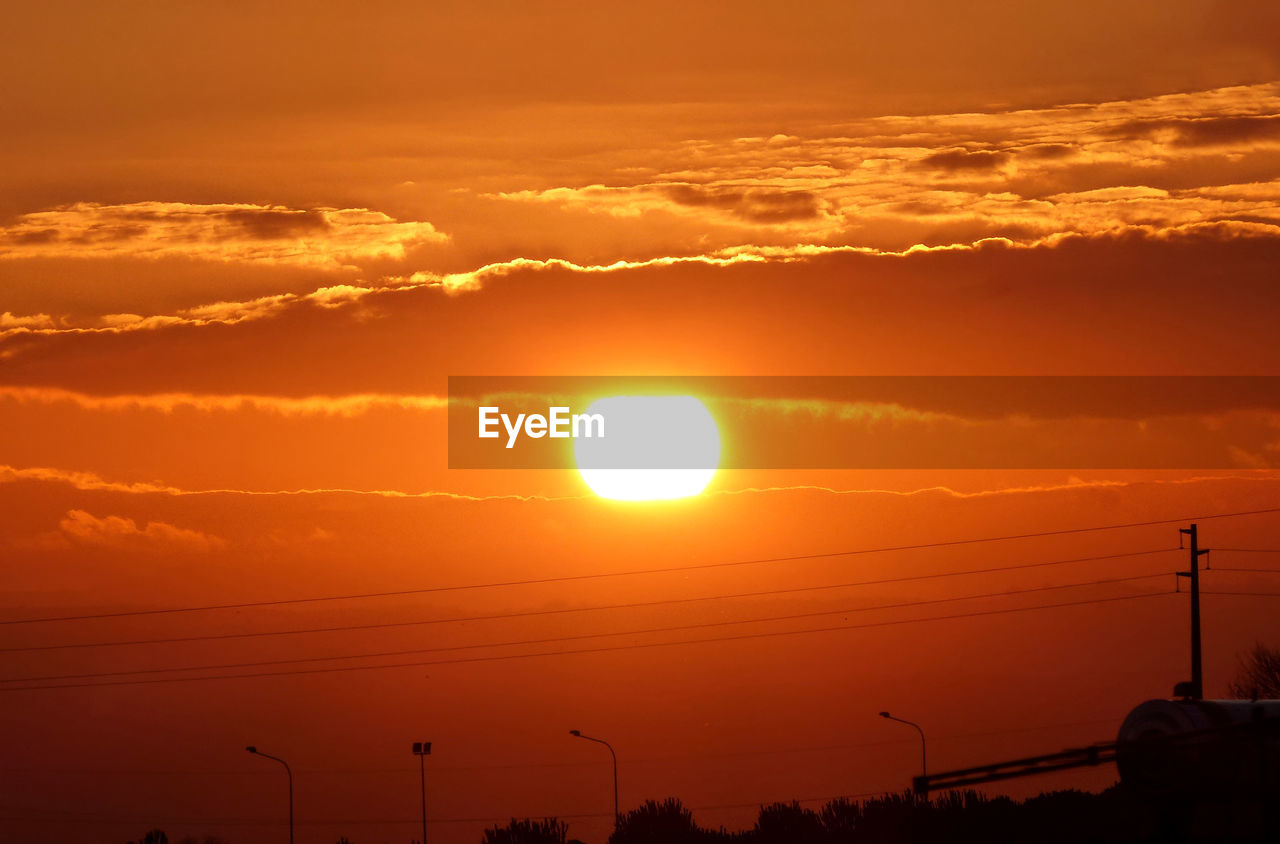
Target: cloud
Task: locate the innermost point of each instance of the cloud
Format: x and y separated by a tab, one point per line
1205	131
757	205
91	482
215	313
88	528
1071	485
963	159
341	406
1118	213
326	238
85	481
84	528
891	182
8	321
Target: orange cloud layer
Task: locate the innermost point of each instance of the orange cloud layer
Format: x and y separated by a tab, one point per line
343	295
1161	161
324	238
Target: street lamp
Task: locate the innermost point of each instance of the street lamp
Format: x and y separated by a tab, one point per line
255	751
578	734
924	768
422	749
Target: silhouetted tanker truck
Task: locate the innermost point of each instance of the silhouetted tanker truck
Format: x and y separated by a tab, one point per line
1200	747
1180	751
1183	749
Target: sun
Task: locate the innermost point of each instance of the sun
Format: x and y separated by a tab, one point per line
654	447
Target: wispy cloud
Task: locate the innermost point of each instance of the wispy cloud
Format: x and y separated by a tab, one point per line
1072	484
325	238
91	482
344	406
346	295
893	181
83	528
88	481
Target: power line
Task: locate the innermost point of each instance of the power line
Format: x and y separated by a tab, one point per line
1254	571
1251	550
663	570
561	611
578	637
600	649
1243	594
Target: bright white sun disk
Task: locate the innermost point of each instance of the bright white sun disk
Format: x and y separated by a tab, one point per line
655	447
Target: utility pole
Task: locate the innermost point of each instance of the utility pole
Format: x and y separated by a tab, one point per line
422	749
1195	688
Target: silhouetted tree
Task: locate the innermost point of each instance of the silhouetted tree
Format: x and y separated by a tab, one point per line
547	831
155	836
842	819
788	823
344	840
1259	674
892	818
668	822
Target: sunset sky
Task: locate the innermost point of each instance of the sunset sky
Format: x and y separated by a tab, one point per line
243	249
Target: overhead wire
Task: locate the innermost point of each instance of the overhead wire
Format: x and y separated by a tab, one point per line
599	649
660	570
592	608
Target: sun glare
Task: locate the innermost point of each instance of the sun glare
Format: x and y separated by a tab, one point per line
655	447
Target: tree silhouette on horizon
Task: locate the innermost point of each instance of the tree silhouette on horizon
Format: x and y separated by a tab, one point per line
526	831
155	836
1259	675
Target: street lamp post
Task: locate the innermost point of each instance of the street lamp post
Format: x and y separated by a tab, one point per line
422	749
924	766
288	771
578	734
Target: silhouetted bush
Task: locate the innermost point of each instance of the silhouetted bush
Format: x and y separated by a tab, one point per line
788	823
668	822
841	818
547	831
155	836
1259	674
953	817
891	819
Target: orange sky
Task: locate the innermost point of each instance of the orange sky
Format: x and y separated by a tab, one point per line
241	251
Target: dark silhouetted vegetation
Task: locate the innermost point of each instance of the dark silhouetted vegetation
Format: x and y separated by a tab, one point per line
668	821
155	836
1259	675
548	831
1114	816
